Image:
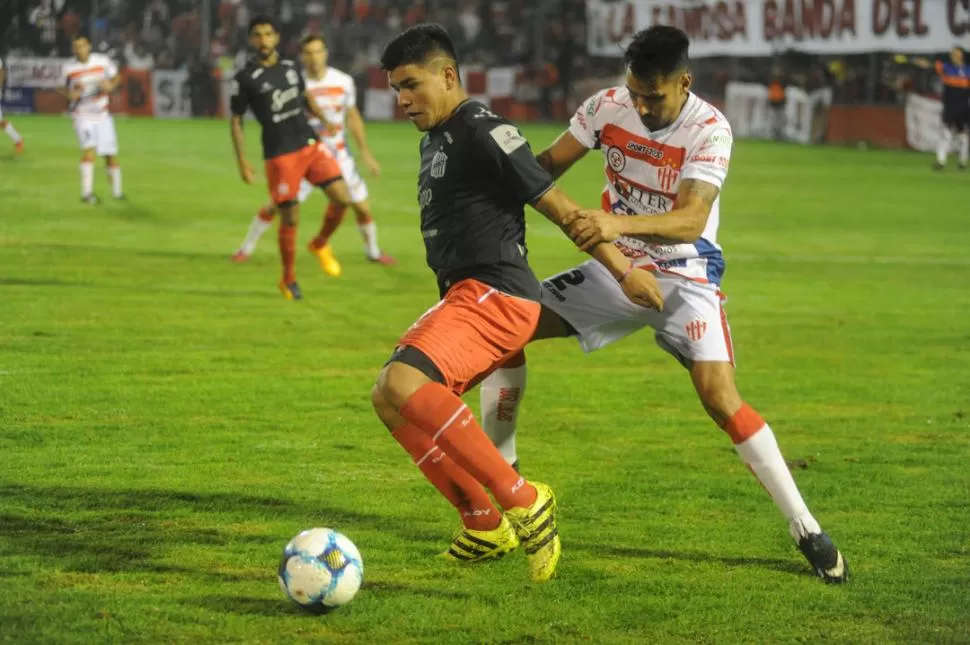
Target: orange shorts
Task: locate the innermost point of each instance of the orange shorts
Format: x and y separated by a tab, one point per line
285	172
473	330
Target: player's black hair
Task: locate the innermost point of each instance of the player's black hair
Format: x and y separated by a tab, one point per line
262	19
658	52
417	45
79	35
312	38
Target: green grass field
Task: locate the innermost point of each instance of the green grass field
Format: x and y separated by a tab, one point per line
168	421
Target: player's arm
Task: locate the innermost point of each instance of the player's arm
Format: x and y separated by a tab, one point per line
701	179
506	150
238	104
355	122
562	154
314	108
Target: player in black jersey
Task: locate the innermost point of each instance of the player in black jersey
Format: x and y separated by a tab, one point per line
955	77
273	88
477	173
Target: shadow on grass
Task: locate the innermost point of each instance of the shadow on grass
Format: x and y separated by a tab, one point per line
794	566
105	530
221	293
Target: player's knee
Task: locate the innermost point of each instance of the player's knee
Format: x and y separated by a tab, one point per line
380	404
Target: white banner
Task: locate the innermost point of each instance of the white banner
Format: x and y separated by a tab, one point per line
766	27
747	110
171	97
35	72
924	120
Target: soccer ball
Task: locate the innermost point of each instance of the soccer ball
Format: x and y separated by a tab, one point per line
321	570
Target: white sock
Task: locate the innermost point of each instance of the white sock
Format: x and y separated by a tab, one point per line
12	133
87	178
964	148
760	452
114	172
256	229
943	148
368	232
501	394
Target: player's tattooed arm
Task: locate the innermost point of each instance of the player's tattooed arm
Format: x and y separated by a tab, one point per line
561	155
683	224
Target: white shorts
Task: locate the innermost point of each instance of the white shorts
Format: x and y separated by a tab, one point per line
348	169
98	134
692	326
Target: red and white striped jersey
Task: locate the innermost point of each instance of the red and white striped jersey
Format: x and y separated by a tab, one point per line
87	78
644	170
335	93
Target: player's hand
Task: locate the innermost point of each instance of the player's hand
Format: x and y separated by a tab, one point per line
74	95
592	227
371	163
105	86
330	129
642	288
246	172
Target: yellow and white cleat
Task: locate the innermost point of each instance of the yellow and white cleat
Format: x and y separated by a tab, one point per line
327	261
470	546
538	533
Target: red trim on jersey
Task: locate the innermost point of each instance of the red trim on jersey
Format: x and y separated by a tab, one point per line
82	72
327	91
635	147
612	176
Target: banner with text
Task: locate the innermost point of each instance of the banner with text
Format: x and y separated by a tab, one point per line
766	27
35	72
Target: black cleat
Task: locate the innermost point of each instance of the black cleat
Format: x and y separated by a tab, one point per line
937	167
291	291
91	199
825	558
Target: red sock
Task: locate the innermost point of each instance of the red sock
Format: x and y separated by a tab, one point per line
287	238
458	487
335	215
448	421
266	213
744	423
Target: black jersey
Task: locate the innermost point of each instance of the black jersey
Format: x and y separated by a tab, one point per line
275	95
477	173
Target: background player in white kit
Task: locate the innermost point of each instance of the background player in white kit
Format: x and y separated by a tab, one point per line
666	156
87	82
336	95
5	125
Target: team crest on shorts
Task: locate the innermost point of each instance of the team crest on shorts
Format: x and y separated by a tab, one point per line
282	188
616	159
696	329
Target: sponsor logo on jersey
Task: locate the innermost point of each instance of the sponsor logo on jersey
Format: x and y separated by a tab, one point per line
282	97
508	138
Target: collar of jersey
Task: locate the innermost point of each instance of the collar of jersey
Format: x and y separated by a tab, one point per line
453	114
688	105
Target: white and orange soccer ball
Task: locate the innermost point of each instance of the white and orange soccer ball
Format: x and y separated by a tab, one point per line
321	570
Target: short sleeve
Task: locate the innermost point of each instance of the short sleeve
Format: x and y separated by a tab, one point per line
582	125
238	102
110	68
351	94
503	148
709	161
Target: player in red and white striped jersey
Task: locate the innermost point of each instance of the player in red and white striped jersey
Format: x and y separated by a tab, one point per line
7	126
336	94
666	155
87	82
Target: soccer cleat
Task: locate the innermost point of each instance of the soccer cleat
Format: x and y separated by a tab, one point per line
538	533
471	546
239	256
91	199
328	262
121	198
18	148
291	291
825	558
962	166
384	259
937	166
